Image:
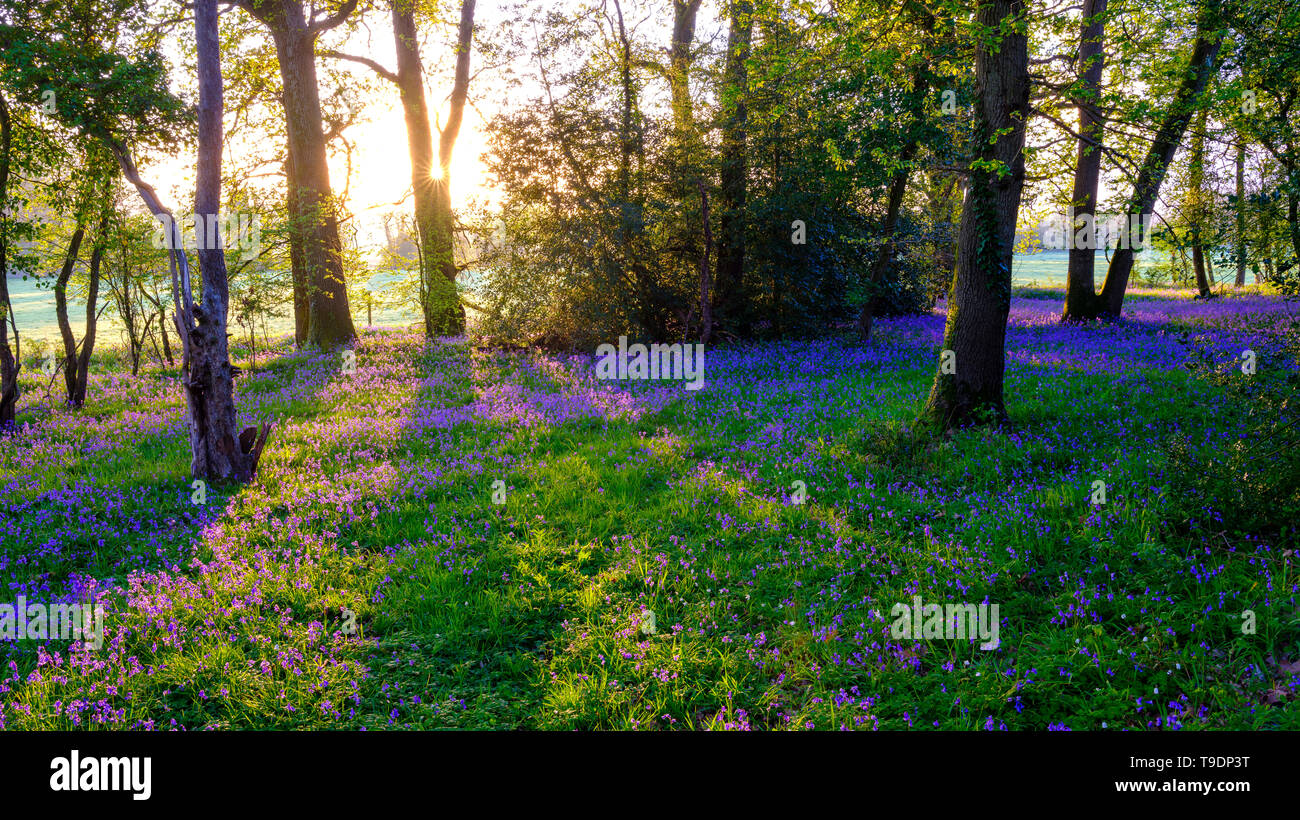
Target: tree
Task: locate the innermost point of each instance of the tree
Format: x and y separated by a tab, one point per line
10	361
98	180
135	287
431	189
1081	300
311	198
1146	187
52	58
1268	57
1197	210
76	366
219	452
727	281
443	312
115	100
968	384
1239	236
898	185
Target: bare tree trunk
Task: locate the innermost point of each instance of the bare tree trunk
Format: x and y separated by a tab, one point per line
1151	174
968	383
10	362
1081	300
61	314
219	453
1196	196
1241	213
77	395
732	191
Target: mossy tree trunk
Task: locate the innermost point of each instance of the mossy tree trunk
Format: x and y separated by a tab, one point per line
968	384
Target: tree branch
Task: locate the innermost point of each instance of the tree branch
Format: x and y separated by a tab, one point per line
344	11
365	61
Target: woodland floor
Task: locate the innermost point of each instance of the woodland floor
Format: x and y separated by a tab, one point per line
625	498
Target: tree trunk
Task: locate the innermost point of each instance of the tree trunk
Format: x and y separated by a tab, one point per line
152	336
897	187
219	452
77	394
312	203
419	143
732	192
1151	174
685	157
706	284
9	358
435	221
1198	267
297	258
449	308
679	65
1081	300
631	199
1196	196
61	314
1293	218
162	331
1240	281
943	199
968	389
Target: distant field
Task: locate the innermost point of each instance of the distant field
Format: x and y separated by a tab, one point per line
34	307
34	312
1049	267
